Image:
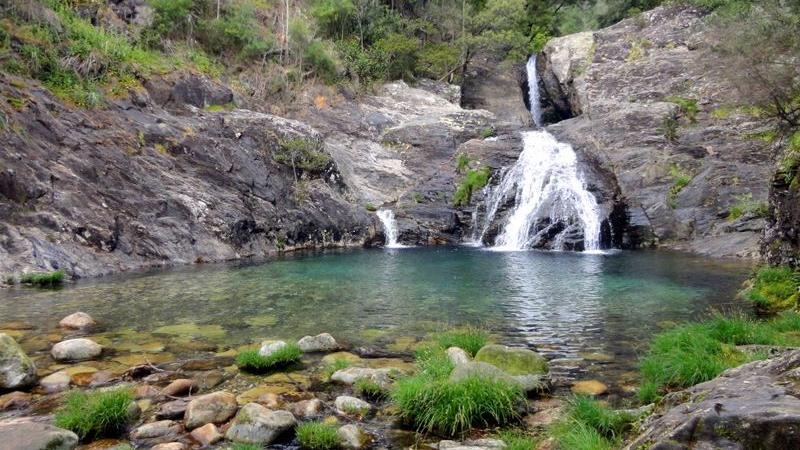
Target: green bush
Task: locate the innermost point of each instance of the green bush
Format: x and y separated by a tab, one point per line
252	361
317	436
437	61
49	279
462	162
688	107
401	53
473	180
303	154
469	339
95	413
774	288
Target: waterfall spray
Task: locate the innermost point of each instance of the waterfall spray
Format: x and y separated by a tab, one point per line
386	217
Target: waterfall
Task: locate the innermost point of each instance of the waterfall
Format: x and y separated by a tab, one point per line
389	228
533	91
551	203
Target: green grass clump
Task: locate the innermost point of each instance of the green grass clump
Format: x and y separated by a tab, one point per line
588	425
252	361
332	368
517	440
688	107
473	180
746	205
49	279
317	436
774	288
681	179
241	446
697	352
95	413
469	339
462	162
369	389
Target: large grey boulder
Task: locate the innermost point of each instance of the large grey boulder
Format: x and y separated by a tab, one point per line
323	342
16	369
350	375
76	350
513	360
255	424
477	369
21	434
270	347
347	405
752	406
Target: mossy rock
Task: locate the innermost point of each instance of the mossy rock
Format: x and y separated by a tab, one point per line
514	361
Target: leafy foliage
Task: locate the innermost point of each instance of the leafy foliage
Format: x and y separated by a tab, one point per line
95	413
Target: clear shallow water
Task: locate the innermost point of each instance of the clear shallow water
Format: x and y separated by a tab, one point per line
570	306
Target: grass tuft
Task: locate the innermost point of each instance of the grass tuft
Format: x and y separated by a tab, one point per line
518	440
252	361
588	425
49	279
469	339
473	180
317	436
332	368
369	389
95	413
774	288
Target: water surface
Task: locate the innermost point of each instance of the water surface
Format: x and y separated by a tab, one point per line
591	314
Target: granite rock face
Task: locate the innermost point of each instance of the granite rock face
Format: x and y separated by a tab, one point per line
756	405
618	86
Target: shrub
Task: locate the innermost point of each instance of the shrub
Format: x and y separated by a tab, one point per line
317	436
473	180
401	54
774	288
303	154
437	61
462	162
468	339
49	279
449	407
487	132
669	128
318	57
252	361
95	413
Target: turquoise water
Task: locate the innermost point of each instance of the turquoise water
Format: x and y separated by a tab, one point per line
567	305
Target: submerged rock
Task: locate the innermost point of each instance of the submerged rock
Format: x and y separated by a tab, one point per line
76	350
589	387
513	360
352	436
78	321
55	382
752	406
255	424
21	434
323	342
216	407
16	369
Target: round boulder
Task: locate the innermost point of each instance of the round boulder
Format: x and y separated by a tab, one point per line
513	360
255	424
16	369
78	321
346	405
270	347
21	435
216	407
320	343
79	349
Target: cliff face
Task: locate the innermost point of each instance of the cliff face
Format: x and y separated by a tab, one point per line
647	101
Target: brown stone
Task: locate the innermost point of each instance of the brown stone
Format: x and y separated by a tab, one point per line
180	387
169	446
14	400
306	408
589	387
207	434
146	391
216	407
78	321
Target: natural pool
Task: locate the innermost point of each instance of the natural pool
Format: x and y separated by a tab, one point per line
590	314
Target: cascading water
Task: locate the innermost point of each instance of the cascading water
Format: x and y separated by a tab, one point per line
533	91
386	217
552	207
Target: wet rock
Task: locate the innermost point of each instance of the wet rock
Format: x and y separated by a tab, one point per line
479	369
78	321
145	391
352	436
80	349
169	446
344	356
180	387
264	395
14	400
172	410
55	382
256	424
350	375
457	356
755	405
22	434
346	405
16	369
546	413
161	430
513	360
268	348
475	444
207	434
216	407
323	342
306	408
589	387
